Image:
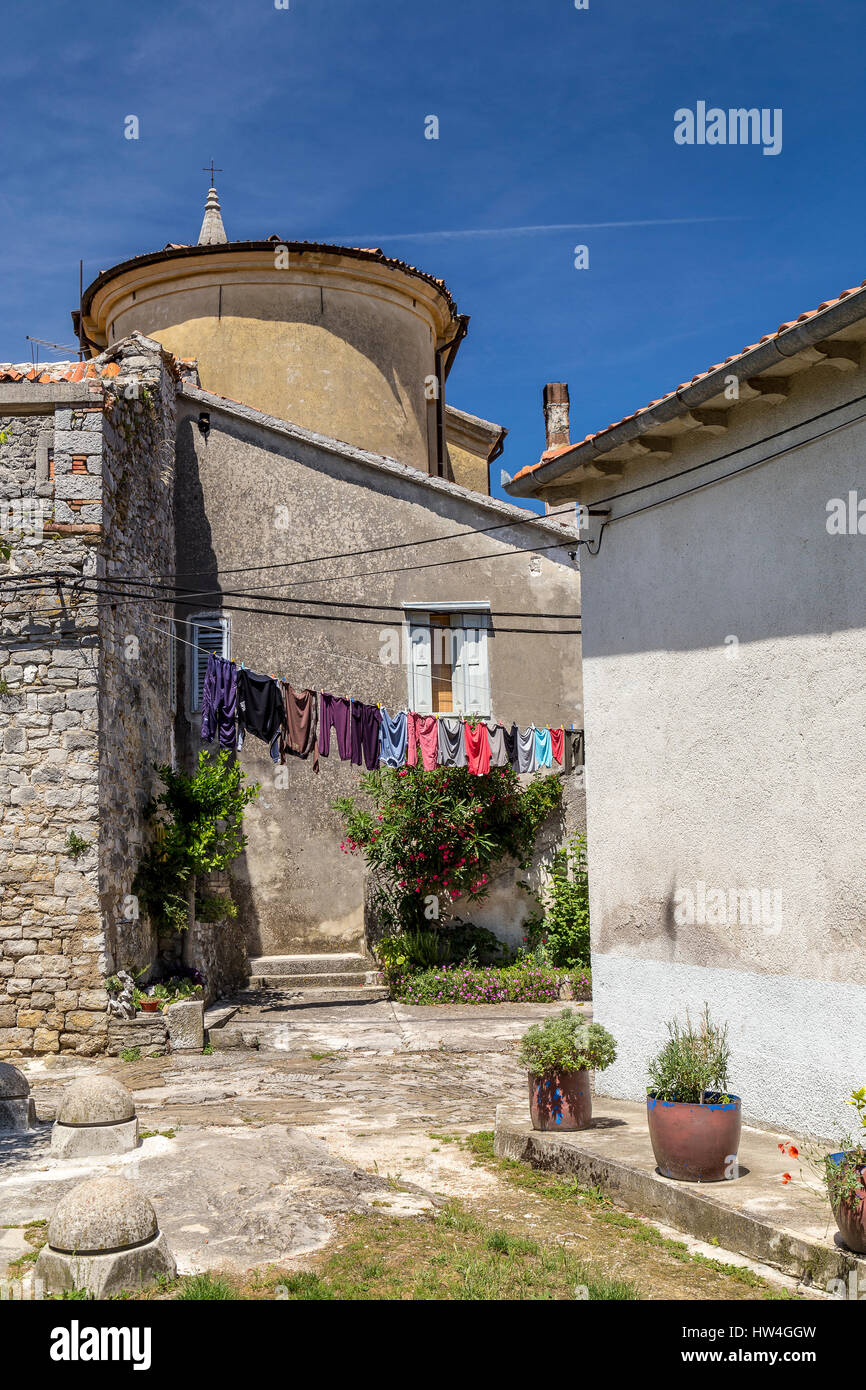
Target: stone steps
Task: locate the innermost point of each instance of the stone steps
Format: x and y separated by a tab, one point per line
344	964
280	988
338	980
272	999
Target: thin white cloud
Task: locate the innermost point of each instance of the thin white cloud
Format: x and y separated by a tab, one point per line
525	231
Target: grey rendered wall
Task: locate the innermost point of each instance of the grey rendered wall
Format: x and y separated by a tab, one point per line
296	890
724	645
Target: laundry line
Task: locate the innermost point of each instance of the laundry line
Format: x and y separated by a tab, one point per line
237	701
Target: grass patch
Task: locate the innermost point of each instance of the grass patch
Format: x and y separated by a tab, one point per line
595	1201
201	1288
131	1054
448	1256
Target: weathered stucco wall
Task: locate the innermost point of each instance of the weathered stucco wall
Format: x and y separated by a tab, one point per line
724	648
251	494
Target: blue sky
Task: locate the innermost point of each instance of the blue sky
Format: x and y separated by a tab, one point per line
549	116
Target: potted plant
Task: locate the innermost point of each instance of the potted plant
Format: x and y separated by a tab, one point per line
845	1177
146	1003
694	1122
559	1055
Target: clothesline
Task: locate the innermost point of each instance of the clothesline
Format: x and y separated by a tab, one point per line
237	701
351	656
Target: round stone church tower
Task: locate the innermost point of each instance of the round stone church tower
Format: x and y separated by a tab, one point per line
344	341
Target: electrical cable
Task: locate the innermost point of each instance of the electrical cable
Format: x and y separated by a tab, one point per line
118	596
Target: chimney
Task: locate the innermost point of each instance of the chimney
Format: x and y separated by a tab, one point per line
556	414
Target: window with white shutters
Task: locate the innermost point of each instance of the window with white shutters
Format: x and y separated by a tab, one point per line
208	633
448	659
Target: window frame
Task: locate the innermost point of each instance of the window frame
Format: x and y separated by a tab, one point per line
414	616
197	663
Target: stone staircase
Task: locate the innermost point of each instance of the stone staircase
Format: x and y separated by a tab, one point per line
280	989
315	979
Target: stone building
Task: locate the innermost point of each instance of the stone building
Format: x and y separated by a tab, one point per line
724	649
251	419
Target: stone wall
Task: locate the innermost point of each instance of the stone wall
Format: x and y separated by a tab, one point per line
50	937
136	723
79	723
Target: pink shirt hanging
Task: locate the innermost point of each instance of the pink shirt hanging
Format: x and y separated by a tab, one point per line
423	729
557	743
477	747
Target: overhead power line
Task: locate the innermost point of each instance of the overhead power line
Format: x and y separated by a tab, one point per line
47	578
104	589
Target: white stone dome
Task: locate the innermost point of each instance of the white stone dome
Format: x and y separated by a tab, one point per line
102	1215
96	1100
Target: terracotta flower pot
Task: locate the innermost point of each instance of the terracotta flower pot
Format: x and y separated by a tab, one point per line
560	1100
695	1143
150	1006
850	1214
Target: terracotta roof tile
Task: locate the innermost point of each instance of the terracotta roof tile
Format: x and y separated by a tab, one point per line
750	347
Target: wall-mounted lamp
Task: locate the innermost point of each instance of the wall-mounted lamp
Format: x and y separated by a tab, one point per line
204	422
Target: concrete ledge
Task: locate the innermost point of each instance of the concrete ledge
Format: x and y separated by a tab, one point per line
789	1228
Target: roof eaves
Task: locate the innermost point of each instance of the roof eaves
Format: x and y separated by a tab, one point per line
810	327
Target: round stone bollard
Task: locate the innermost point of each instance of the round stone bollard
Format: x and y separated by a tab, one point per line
17	1111
96	1119
103	1237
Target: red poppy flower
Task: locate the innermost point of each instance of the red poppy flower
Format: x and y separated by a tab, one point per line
786	1178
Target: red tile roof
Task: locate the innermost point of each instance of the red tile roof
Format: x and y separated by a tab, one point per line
783	327
47	372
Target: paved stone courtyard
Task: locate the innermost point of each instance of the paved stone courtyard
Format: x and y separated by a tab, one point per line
270	1146
256	1156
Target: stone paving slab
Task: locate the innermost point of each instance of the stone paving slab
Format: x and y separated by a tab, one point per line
788	1227
381	1026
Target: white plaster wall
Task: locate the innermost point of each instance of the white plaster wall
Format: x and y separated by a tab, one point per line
737	764
794	1053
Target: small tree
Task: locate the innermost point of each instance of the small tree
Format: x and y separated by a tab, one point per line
197	824
433	836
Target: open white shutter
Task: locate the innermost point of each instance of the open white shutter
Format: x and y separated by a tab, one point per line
420	671
471	675
207	636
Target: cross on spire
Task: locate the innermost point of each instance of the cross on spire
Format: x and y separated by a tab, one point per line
210	169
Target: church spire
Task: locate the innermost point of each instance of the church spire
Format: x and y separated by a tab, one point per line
212	233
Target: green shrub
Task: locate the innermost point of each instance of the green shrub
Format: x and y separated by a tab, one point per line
566	1043
844	1179
432	836
197	826
694	1060
215	907
559	935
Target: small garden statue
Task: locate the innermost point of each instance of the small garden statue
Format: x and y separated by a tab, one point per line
121	1002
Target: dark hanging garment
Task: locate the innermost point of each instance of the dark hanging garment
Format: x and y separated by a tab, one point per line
301	725
573	749
335	712
260	710
366	721
511	745
219	702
